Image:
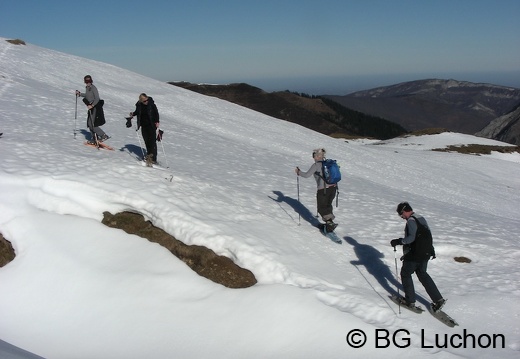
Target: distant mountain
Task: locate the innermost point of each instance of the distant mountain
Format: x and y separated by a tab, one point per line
458	106
321	115
505	128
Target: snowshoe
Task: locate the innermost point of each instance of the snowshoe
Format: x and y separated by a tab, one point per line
438	305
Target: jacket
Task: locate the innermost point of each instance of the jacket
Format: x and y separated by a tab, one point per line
317	170
147	115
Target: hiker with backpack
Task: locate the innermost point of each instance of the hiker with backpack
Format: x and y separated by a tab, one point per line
417	251
96	116
326	192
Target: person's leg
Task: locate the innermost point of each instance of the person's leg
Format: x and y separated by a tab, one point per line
324	208
324	199
90	122
427	282
99	132
407	270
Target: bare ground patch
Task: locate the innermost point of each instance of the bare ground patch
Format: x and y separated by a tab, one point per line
202	260
6	251
476	149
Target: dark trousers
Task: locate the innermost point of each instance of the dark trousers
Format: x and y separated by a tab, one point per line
324	199
150	141
419	268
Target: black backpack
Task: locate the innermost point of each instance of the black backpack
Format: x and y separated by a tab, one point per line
422	247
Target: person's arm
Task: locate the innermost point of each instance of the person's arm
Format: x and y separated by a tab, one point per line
96	96
156	112
412	230
135	112
308	173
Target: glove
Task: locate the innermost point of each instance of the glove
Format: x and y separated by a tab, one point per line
85	101
128	122
159	135
395	242
77	93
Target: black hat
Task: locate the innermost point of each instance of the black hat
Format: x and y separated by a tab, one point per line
87	78
403	206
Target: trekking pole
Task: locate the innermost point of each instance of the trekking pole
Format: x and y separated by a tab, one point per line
159	137
138	139
75	115
397	276
298	189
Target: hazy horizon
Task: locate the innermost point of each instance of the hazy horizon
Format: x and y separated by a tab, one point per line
331	47
343	85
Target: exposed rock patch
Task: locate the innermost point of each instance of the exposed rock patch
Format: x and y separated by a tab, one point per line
462	259
6	251
202	260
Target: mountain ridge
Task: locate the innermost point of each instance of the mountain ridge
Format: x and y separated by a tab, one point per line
312	112
459	106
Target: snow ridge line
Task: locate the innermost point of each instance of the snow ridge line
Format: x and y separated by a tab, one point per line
4	85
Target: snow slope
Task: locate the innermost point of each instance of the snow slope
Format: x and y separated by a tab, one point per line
78	289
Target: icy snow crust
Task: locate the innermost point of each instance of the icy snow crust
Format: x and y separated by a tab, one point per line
78	289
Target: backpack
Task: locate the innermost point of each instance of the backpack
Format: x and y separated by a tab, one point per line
331	172
422	247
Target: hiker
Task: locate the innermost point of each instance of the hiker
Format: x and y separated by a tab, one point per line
325	192
95	117
417	251
148	119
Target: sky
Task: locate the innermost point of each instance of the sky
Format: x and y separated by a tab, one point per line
327	45
78	289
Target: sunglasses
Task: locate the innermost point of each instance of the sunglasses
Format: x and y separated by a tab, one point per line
87	81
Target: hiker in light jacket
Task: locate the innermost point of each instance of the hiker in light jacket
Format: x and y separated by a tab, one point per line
325	192
95	117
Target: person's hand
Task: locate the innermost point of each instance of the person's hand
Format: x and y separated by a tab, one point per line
297	171
395	242
77	93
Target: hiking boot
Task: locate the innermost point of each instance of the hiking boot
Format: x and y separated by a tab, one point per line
403	301
330	226
104	138
91	142
438	305
148	159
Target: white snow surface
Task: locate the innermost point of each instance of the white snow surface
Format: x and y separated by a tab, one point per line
78	289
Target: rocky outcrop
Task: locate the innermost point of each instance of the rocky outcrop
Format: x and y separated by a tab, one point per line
504	128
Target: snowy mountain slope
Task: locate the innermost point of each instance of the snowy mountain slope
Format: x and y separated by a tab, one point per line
80	289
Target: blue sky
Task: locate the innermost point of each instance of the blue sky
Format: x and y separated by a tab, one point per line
318	47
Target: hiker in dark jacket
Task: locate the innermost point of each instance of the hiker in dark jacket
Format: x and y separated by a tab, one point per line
418	249
148	120
95	117
325	192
